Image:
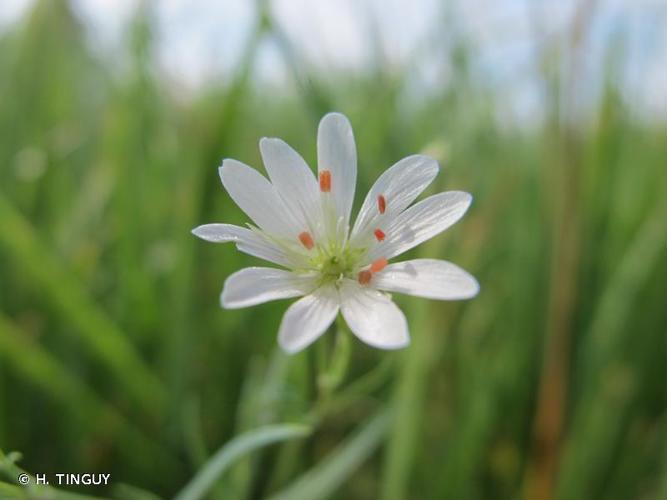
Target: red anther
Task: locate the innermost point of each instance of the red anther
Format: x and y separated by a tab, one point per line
306	240
382	204
379	235
365	277
378	265
325	181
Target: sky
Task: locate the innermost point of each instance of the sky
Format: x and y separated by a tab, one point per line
198	41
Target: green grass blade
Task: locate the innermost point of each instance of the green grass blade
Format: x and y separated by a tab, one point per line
327	476
31	491
36	365
238	447
94	330
409	402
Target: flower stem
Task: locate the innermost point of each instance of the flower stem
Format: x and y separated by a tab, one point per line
333	368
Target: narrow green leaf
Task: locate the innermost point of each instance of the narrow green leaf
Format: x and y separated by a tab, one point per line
93	329
235	449
323	479
36	365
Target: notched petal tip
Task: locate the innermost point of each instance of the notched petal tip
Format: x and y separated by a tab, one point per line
229	164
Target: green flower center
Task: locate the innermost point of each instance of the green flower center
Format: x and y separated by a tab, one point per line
333	266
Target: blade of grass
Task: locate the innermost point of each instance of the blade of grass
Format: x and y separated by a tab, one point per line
408	401
8	491
604	375
31	491
326	477
95	331
238	447
36	365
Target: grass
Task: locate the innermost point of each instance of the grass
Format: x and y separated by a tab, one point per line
115	356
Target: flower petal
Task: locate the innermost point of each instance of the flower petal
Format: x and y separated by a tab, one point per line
429	278
256	285
421	222
398	186
373	317
308	318
246	241
255	195
293	179
337	153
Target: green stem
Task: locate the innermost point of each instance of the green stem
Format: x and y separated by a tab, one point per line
333	368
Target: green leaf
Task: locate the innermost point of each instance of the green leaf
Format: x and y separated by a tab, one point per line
323	479
235	449
90	324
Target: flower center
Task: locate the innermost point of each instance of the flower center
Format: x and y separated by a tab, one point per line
335	265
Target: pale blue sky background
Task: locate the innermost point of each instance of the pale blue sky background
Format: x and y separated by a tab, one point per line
202	39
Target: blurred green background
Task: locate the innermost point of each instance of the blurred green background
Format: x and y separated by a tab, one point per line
115	356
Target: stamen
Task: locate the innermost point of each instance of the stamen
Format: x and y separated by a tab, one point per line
365	277
306	240
378	265
379	234
382	204
325	181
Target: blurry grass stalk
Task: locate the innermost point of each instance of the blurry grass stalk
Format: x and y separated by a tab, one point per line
608	385
93	329
198	189
408	404
75	116
331	473
11	471
241	445
333	361
36	365
565	261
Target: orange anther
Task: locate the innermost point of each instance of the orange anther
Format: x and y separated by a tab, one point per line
382	204
379	265
325	181
365	277
379	235
306	240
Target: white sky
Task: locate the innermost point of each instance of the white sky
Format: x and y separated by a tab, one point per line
201	39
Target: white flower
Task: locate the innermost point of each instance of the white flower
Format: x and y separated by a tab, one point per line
302	224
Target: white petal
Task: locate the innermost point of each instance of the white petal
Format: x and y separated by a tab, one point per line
429	278
373	317
308	318
293	179
337	153
255	285
255	195
246	241
219	233
399	185
421	222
